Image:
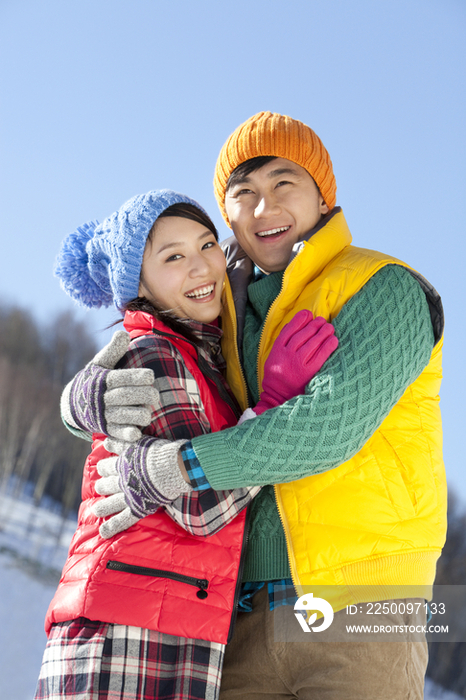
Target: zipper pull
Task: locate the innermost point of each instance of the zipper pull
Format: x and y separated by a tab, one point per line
202	583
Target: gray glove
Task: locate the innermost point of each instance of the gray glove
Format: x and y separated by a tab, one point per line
114	402
114	504
144	477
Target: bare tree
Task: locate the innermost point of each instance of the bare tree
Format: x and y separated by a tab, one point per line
447	660
68	347
35	363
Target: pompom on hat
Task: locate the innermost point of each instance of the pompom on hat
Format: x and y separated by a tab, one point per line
100	264
268	134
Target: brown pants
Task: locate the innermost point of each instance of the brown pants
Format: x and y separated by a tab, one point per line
258	667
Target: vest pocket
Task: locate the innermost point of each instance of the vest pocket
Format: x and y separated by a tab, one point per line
392	471
201	583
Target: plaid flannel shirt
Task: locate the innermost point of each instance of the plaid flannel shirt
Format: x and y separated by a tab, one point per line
180	415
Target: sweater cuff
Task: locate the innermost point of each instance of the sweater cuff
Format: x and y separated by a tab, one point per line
76	431
217	463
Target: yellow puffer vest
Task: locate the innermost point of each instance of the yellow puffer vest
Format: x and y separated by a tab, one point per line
378	521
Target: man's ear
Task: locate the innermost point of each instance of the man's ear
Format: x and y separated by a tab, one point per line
323	207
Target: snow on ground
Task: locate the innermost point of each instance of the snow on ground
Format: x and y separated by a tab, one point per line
435	692
33	547
23	604
37	534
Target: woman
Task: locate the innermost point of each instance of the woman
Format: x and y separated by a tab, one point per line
147	612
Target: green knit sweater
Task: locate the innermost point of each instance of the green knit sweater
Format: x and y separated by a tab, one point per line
385	341
266	555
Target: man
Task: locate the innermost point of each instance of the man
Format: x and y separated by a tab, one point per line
359	500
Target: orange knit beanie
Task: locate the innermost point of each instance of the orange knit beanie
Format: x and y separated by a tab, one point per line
267	134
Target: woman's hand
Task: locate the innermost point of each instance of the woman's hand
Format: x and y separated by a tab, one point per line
117	402
142	477
298	353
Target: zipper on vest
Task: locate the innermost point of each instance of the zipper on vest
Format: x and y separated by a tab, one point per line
275	488
247	393
239	580
267	316
200	583
289	548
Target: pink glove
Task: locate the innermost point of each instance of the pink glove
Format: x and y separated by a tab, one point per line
298	353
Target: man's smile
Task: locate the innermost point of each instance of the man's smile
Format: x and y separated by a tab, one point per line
272	232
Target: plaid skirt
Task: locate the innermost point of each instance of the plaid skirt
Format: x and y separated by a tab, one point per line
86	660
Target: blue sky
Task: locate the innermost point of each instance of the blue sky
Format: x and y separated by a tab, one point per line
105	99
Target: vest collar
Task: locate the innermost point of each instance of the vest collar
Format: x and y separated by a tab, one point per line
312	255
139	323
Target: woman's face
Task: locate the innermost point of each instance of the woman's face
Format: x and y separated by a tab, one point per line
183	269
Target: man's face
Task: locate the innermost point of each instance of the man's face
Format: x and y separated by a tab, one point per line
273	208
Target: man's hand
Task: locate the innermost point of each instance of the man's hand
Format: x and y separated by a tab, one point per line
142	478
117	402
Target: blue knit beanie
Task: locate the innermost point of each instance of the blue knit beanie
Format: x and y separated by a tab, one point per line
100	264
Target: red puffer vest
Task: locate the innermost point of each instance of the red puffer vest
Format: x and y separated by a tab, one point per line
154	575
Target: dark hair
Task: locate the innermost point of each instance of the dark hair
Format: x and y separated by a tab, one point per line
183	210
250	166
246	168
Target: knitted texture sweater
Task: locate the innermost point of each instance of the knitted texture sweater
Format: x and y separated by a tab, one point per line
266	556
384	330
